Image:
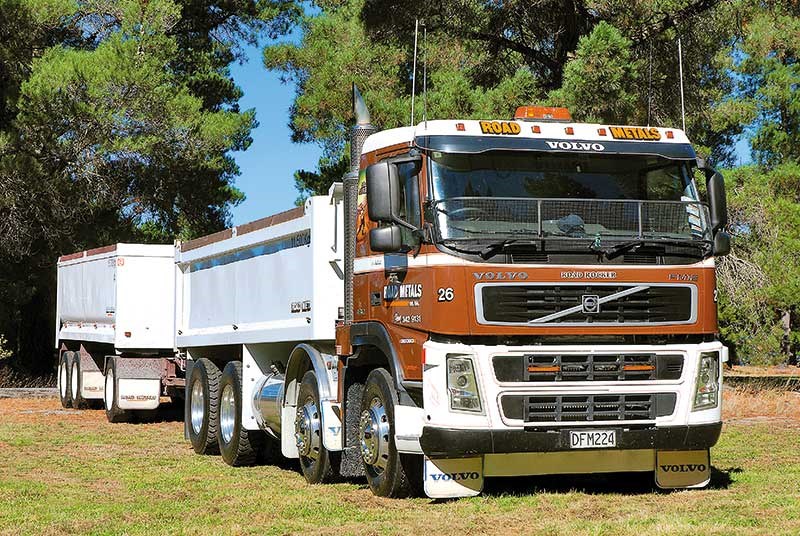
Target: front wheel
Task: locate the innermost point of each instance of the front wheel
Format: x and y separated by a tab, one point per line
389	473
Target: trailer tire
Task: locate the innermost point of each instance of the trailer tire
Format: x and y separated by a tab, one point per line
389	473
316	462
64	368
203	406
111	394
237	445
78	402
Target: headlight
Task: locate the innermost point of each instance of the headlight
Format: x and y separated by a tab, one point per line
706	393
461	385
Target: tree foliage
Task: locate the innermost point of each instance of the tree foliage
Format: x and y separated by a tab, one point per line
119	118
610	61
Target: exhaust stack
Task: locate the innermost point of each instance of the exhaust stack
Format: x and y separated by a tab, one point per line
358	135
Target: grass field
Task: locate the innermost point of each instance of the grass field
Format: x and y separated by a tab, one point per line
67	472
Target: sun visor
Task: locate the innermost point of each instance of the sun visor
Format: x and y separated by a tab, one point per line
480	144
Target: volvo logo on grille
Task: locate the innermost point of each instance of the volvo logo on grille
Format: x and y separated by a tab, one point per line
590	303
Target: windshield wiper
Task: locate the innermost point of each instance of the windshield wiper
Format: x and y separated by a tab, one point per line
620	249
492	249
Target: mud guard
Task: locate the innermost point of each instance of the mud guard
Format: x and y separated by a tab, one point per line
683	468
447	478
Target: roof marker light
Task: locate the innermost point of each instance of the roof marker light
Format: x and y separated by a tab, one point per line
536	129
543	113
670	135
569	130
460	127
601	131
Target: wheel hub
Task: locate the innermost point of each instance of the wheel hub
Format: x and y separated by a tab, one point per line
307	430
374	435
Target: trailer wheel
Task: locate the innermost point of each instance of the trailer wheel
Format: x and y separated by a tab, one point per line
111	395
316	462
75	382
237	445
203	406
64	391
389	473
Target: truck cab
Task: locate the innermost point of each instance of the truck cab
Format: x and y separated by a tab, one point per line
545	293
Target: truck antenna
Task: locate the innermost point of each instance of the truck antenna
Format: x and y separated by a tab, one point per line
680	70
425	74
414	72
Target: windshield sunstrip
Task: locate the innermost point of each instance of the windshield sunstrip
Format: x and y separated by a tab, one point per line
480	144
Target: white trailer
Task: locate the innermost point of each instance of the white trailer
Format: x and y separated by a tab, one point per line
116	329
256	309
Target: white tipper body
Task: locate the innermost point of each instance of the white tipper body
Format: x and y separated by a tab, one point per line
267	291
124	297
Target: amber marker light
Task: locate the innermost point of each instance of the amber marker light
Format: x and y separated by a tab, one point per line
638	368
460	127
601	132
543	369
670	134
542	113
569	130
536	129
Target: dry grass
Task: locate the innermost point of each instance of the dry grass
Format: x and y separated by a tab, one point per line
752	370
14	378
748	402
69	472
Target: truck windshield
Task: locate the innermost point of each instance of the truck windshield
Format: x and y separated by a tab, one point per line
569	196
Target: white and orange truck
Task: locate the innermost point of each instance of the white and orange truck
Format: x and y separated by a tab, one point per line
475	299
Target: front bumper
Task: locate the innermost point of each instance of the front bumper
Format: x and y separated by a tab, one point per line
459	442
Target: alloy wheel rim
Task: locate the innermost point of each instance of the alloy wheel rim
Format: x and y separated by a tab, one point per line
197	406
227	413
374	437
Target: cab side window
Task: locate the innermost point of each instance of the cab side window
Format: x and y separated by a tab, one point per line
409	201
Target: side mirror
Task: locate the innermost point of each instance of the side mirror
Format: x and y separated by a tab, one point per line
386	239
722	244
715	185
383	192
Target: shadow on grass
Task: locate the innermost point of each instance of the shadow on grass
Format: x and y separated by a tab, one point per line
594	484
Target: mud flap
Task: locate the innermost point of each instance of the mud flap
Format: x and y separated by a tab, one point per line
683	468
453	477
136	393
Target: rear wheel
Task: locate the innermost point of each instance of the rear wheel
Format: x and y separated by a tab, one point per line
76	385
316	462
203	405
389	473
111	394
237	445
64	390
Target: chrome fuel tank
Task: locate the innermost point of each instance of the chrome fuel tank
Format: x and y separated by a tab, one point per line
267	400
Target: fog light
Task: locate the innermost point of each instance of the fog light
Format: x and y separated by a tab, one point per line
706	395
461	385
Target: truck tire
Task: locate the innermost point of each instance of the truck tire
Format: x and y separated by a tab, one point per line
316	462
75	382
203	405
111	395
64	368
237	445
389	473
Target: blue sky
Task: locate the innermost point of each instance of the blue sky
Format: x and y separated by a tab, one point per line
268	166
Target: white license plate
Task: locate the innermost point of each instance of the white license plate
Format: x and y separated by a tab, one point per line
592	439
